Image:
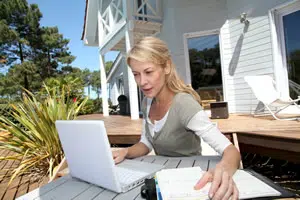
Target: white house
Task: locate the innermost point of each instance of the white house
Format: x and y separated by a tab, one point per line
214	44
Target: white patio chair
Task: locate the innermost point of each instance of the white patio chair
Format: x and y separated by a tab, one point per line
264	90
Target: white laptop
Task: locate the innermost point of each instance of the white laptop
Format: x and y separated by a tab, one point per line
89	157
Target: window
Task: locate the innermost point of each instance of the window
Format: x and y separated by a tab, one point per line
203	54
291	31
286	41
120	84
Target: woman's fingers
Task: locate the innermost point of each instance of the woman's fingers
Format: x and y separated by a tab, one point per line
116	156
235	195
118	160
230	189
207	177
216	182
222	188
119	155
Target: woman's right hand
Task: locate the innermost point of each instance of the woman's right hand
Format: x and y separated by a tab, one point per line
119	155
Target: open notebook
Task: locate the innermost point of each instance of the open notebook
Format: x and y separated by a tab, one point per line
179	183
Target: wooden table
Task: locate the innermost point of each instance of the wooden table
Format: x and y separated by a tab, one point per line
72	188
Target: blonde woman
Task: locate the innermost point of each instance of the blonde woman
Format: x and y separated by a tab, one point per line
174	120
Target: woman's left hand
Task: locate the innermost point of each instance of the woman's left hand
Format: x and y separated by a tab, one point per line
222	187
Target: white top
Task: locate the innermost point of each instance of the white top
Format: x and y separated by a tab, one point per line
200	124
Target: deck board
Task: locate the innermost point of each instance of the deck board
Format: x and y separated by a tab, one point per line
265	126
120	129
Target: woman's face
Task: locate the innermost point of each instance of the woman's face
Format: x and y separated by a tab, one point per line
148	76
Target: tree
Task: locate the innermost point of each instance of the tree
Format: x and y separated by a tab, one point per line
86	77
12	82
205	67
22	23
108	66
95	79
52	52
22	39
96	82
7	36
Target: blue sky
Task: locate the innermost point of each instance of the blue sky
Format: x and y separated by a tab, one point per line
68	16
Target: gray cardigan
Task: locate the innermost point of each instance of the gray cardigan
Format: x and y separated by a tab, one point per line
174	138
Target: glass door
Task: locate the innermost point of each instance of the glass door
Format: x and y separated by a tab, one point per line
205	68
291	30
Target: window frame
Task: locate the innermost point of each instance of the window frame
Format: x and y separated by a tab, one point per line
278	42
186	36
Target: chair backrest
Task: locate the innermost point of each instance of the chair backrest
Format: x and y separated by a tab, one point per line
263	88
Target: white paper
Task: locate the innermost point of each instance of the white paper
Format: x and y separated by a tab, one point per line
178	184
250	187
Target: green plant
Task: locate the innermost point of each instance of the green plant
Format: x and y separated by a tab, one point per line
72	86
97	105
88	108
34	138
5	110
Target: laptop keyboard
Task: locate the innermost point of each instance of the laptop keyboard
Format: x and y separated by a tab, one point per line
127	176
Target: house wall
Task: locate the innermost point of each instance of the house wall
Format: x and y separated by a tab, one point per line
113	83
247	50
181	17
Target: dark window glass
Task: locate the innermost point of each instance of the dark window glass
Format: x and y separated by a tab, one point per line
292	46
205	64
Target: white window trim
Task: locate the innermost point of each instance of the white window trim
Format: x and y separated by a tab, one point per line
187	36
279	51
119	87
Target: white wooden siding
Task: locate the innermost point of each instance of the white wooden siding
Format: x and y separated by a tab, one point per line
256	53
113	82
189	16
253	56
114	93
125	77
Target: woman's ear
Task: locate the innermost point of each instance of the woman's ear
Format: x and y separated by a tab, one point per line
168	67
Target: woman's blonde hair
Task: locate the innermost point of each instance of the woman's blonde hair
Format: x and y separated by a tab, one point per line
154	50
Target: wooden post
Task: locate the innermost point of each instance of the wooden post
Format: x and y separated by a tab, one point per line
133	95
129	39
102	71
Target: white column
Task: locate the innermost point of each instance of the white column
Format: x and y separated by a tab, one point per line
133	95
103	86
102	69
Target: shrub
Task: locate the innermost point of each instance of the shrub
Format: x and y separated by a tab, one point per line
88	108
34	138
97	105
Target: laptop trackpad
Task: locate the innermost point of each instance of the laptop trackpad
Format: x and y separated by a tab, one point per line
129	171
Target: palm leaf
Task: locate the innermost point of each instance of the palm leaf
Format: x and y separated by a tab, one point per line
34	137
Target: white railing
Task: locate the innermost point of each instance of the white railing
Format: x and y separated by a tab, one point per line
147	9
112	17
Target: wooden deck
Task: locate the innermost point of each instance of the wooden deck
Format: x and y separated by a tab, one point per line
120	129
279	139
21	185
